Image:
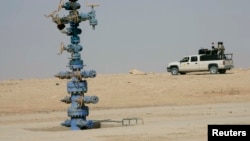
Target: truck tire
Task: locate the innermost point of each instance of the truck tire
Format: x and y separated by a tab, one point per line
222	71
174	71
213	69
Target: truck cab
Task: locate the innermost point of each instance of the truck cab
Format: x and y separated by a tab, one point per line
189	63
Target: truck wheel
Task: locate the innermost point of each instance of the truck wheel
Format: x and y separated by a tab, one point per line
213	69
174	71
223	71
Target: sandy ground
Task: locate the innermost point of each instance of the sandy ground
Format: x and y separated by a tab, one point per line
168	108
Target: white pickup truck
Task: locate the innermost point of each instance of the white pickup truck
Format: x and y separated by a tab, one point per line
202	62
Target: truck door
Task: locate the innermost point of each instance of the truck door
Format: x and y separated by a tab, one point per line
184	64
192	64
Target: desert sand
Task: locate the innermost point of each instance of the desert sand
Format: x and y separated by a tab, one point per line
168	108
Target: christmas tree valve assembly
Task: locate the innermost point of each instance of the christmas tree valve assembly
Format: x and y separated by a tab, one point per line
77	86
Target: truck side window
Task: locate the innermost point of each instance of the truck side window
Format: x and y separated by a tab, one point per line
194	59
185	59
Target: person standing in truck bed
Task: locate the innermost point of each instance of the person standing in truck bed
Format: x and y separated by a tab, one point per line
221	48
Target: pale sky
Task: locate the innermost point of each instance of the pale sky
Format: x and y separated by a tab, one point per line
131	34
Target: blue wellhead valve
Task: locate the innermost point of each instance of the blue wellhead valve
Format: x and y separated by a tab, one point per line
77	86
